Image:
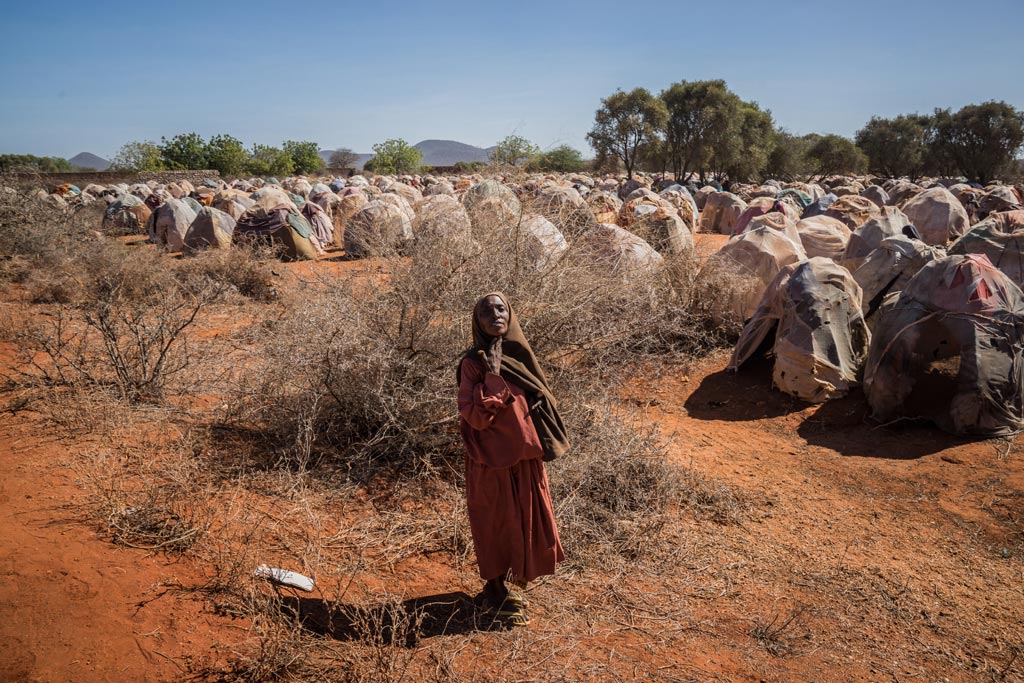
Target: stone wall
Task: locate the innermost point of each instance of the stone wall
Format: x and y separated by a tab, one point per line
81	179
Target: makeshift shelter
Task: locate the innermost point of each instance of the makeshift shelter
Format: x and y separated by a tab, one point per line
442	224
538	241
701	196
889	268
876	194
320	222
565	207
720	213
282	228
999	198
853	210
604	206
1000	237
272	196
756	256
169	223
888	223
126	213
619	250
212	229
819	206
662	228
823	236
378	228
813	308
938	216
950	347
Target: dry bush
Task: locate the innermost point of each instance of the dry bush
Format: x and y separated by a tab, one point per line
247	271
360	374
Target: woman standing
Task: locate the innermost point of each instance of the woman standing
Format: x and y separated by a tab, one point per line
510	424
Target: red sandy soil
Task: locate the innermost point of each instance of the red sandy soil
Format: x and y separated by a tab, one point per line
837	496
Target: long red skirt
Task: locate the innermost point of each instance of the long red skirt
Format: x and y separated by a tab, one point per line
512	520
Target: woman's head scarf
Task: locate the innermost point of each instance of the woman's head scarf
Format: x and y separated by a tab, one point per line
519	365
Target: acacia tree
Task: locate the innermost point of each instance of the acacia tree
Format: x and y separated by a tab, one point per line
394	156
269	161
185	151
342	159
137	156
624	123
834	154
305	156
227	155
788	158
744	154
896	147
980	139
513	151
561	159
700	115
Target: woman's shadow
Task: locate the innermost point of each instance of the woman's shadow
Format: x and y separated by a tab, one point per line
402	623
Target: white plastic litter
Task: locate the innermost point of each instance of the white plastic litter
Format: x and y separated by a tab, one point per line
284	577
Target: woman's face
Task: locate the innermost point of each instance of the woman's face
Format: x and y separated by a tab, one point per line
493	316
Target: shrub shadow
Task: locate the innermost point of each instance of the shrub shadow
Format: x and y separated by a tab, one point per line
844	426
741	396
402	624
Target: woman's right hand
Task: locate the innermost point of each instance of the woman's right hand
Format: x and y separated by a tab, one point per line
492	356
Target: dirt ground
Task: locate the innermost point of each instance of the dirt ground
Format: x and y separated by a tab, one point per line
864	553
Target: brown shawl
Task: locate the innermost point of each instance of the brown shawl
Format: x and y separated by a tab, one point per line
520	366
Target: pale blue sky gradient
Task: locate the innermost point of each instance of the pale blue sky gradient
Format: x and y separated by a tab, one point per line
89	77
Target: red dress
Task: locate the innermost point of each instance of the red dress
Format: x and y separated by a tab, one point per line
507	493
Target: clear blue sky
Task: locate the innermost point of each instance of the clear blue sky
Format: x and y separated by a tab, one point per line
89	77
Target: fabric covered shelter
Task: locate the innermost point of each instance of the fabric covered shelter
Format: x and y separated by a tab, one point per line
889	268
959	316
813	308
720	213
169	223
1000	237
282	227
938	216
757	256
823	236
212	229
865	239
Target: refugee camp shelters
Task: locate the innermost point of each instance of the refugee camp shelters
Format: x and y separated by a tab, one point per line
720	213
442	225
320	222
823	236
853	210
889	222
950	348
890	266
812	309
819	206
212	229
756	257
938	216
619	250
380	227
283	228
1000	237
999	198
168	224
539	242
660	226
126	214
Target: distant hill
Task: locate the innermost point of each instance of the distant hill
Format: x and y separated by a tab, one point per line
89	160
435	153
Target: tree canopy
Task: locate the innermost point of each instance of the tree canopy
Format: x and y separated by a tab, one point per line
305	156
514	150
394	156
624	123
342	159
29	162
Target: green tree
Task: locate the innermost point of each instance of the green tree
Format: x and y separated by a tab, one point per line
624	123
267	161
12	163
981	140
744	155
513	151
227	155
561	159
305	156
342	159
185	151
895	147
701	115
788	159
834	155
394	156
138	156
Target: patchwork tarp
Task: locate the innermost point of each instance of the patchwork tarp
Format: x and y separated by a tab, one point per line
127	213
539	241
853	210
169	223
619	249
889	268
212	229
823	236
1000	237
888	223
378	228
814	309
938	216
955	307
757	256
282	228
720	213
